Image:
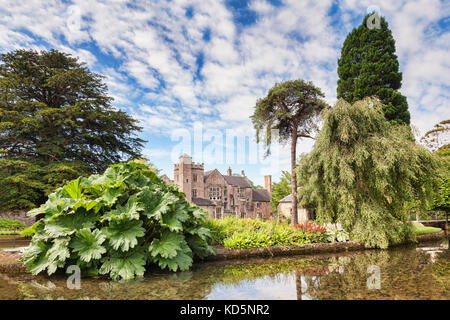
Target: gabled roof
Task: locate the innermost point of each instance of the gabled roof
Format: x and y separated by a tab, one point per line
209	173
237	181
287	199
261	195
203	202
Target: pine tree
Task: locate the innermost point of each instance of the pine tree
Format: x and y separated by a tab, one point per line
293	108
368	66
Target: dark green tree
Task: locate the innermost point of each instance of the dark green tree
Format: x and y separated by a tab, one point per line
368	66
57	122
364	173
293	108
281	189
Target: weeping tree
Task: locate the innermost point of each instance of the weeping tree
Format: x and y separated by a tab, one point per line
363	172
292	108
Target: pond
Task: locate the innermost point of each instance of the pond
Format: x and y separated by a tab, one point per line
413	272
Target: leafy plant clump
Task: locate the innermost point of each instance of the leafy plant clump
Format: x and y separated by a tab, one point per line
11	225
117	224
335	233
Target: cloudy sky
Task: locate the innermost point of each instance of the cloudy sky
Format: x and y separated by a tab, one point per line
194	69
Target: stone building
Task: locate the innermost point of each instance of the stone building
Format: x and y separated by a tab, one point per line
221	195
285	208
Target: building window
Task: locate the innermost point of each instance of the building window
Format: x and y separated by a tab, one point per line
242	215
225	191
215	193
218	213
194	177
194	193
187	180
258	205
241	192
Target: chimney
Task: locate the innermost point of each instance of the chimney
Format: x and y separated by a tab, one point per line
268	183
229	171
243	173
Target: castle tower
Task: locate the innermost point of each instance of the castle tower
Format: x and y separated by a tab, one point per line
189	177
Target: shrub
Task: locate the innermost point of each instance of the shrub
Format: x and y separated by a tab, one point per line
335	233
11	225
116	224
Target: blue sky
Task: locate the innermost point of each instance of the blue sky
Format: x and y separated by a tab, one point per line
180	66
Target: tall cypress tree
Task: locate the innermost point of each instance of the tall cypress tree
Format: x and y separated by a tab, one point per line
368	66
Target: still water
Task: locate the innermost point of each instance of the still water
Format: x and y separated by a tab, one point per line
414	272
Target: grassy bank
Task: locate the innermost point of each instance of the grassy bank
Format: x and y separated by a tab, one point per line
420	229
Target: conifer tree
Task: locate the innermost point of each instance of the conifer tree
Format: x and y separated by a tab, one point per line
57	122
368	66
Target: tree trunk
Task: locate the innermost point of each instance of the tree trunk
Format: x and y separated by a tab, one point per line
294	213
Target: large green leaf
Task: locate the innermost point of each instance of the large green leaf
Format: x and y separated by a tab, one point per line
124	234
124	265
73	189
182	261
110	196
88	244
129	211
60	250
167	246
166	204
67	224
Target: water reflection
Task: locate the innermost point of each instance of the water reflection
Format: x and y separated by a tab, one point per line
405	273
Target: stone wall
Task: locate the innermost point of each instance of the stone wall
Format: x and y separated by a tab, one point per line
18	215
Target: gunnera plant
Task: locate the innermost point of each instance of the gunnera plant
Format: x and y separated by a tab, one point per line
117	224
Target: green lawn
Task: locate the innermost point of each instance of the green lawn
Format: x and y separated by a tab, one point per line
420	229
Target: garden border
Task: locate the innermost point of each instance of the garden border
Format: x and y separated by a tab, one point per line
313	248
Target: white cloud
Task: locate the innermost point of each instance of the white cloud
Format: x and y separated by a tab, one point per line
158	45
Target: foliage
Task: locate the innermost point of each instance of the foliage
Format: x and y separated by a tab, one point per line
28	182
116	224
368	66
57	123
11	225
251	233
420	229
335	233
292	108
363	172
281	189
442	197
